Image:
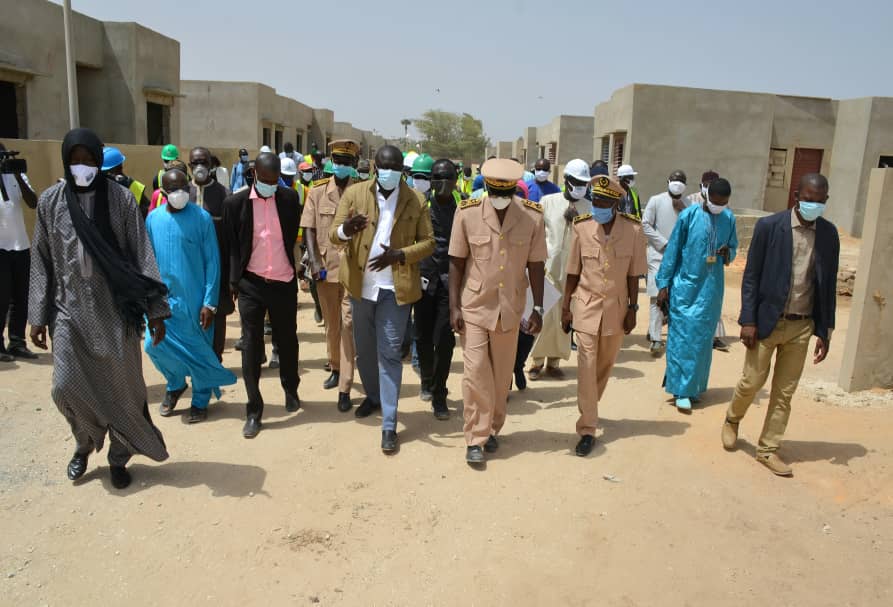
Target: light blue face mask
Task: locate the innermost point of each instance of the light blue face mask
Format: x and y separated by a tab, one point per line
388	179
810	211
265	190
601	215
410	181
342	171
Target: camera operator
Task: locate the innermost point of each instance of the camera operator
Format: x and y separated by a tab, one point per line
15	255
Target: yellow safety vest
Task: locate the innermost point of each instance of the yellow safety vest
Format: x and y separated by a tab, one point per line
136	188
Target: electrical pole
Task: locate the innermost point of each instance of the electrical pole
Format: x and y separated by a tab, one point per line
73	119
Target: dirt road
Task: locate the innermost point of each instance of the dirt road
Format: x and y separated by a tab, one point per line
311	512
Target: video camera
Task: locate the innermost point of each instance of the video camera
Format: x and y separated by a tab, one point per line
10	165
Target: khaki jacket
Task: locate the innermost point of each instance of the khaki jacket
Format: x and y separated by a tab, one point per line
412	233
319	212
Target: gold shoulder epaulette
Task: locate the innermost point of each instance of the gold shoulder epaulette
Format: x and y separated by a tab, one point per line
533	205
471	202
582	217
320	182
631	218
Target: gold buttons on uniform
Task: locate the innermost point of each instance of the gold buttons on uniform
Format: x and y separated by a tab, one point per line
500	285
501	267
502	252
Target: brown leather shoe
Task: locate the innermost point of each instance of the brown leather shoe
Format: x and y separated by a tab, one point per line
775	464
534	373
554	372
729	435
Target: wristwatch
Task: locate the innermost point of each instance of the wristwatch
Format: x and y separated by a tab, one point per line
539	310
633	307
213	309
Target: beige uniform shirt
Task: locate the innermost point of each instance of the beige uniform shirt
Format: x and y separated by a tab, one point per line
495	283
801	295
319	211
603	263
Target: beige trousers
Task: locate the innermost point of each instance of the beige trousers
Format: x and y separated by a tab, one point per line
488	358
348	351
790	344
596	355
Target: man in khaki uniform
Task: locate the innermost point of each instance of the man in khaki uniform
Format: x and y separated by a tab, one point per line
494	240
325	259
607	256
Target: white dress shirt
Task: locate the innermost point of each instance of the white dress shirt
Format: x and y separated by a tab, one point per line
373	282
13	235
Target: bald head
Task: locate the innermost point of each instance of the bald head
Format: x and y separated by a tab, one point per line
813	188
389	157
266	168
814	180
174	180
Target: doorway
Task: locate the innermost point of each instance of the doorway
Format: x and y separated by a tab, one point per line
806	160
9	112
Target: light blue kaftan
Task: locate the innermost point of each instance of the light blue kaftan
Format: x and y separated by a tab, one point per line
696	292
189	262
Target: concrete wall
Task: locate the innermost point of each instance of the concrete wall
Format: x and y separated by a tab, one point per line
504	149
115	61
323	128
220	113
614	115
869	343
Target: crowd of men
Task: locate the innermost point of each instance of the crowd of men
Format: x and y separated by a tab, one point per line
402	255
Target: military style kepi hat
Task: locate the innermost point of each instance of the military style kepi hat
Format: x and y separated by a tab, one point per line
606	188
502	173
348	147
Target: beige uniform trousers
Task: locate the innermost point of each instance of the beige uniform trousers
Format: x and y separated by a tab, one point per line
596	355
489	358
336	313
789	341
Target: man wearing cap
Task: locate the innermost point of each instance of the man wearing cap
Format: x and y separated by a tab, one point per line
325	261
541	185
607	256
209	195
113	167
494	240
559	211
421	174
240	169
169	153
629	204
386	233
658	222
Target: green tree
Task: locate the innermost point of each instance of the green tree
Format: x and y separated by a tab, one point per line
450	135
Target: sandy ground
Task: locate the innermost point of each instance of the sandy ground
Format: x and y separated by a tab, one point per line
311	512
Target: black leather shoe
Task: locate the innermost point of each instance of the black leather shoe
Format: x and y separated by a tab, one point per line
77	466
240	344
21	352
441	411
491	445
584	447
332	381
197	415
6	358
252	427
274	361
388	441
120	477
367	408
344	404
292	403
170	401
426	395
474	455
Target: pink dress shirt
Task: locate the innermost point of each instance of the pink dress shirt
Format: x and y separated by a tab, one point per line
268	258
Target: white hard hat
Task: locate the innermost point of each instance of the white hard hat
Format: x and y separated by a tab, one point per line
288	167
578	169
266	150
626	170
409	159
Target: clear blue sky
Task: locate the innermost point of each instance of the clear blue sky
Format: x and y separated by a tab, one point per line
518	63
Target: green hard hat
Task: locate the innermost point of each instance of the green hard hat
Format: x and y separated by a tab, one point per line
169	152
329	168
423	164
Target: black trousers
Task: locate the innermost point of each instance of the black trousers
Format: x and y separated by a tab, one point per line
525	345
280	299
15	273
435	341
219	336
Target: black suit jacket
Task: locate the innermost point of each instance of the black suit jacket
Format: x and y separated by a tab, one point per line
239	222
767	276
212	199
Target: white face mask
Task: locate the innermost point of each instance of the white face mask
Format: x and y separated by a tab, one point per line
676	188
541	175
704	191
500	202
83	174
578	191
421	185
178	199
715	209
307	176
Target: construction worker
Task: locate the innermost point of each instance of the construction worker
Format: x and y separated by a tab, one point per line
169	153
325	260
494	239
607	256
113	166
421	174
629	203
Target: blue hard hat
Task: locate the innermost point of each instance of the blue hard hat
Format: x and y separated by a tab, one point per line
111	157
